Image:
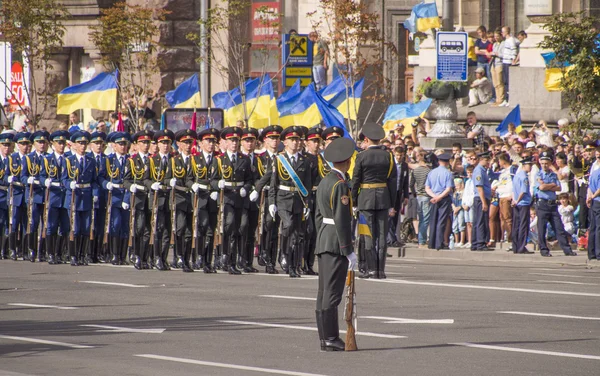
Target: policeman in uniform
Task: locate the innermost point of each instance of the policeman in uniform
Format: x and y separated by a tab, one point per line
289	196
481	204
232	176
199	181
17	199
593	203
545	187
57	207
6	140
521	202
334	242
158	182
135	175
98	251
113	180
251	210
80	178
439	186
374	191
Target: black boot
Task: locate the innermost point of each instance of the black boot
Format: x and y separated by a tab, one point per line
84	242
370	265
72	253
319	316
123	246
31	240
114	249
12	240
381	264
331	330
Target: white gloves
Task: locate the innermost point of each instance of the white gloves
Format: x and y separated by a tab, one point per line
195	187
155	186
253	196
133	188
355	211
73	185
273	210
221	184
243	192
306	212
351	261
173	182
109	186
30	180
11	179
48	183
125	206
214	196
95	199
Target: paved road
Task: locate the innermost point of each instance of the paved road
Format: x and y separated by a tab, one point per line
430	317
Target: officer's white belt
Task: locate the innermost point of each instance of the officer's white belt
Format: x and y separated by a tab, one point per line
328	221
55	184
36	182
118	186
86	185
234	183
287	188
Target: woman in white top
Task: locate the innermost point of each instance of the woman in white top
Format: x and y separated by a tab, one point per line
563	171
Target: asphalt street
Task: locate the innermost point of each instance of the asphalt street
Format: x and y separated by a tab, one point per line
430	317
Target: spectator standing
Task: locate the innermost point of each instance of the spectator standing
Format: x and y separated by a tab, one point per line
521	36
4	113
320	60
467	204
419	174
475	130
458	220
593	203
496	68
565	209
481	50
402	195
74	120
509	54
19	121
505	194
543	135
481	88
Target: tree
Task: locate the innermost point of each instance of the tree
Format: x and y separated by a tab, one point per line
127	37
229	44
358	47
575	40
34	30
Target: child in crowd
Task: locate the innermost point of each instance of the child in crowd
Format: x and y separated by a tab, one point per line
565	209
458	219
533	232
467	204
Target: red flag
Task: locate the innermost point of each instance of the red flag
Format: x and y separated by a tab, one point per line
120	125
193	127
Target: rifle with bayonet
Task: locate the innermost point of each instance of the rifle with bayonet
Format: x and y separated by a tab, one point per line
261	220
220	221
350	315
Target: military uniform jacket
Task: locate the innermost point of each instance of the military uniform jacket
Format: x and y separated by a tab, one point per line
52	169
253	206
179	170
239	174
86	178
334	216
32	165
101	171
114	172
4	172
160	173
199	172
15	167
375	165
136	172
264	164
289	198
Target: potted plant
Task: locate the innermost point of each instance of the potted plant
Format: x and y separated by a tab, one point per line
443	90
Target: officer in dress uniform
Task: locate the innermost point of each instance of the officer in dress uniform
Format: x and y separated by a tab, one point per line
251	211
98	251
481	204
79	176
593	203
545	187
270	137
198	180
113	180
374	191
232	175
583	166
6	140
135	175
158	183
58	210
334	247
17	199
289	196
439	186
521	202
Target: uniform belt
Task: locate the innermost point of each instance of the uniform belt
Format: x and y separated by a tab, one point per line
17	184
328	221
266	188
139	187
35	181
181	189
118	186
287	188
373	185
234	183
549	202
86	185
204	187
164	187
3	188
55	184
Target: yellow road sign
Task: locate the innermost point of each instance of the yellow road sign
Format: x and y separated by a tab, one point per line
304	81
298	71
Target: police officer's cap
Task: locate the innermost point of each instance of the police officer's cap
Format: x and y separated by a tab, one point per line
231	133
590	146
185	135
6	138
313	134
332	132
527	160
546	156
444	157
485	154
59	136
41	136
164	135
145	135
373	131
340	150
249	133
81	136
291	132
208	133
23	138
270	131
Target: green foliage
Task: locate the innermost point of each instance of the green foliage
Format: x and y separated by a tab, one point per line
575	39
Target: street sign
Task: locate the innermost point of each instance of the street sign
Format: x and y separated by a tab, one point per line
297	50
304	81
452	61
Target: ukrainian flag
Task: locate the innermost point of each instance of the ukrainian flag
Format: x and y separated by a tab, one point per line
363	227
423	17
347	103
99	93
292	92
186	95
308	108
514	117
404	113
554	71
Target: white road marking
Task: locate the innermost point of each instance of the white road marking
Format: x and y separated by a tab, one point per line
298	327
401	266
109	265
398	320
565	275
304	277
112	284
40	306
555	269
550	315
118	329
528	351
287	297
568	282
514	289
46	342
226	365
393	273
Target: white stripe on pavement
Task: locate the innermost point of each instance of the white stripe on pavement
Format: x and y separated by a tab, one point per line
514	289
568	282
550	315
304	277
39	306
527	351
565	275
287	297
46	342
112	284
298	327
398	320
118	329
226	365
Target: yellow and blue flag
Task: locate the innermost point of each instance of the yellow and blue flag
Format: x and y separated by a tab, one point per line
554	71
513	117
346	102
404	113
292	92
363	227
424	16
186	95
99	93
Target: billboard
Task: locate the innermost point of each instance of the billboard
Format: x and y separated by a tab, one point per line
177	119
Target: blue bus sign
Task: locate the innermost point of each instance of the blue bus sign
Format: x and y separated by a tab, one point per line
452	61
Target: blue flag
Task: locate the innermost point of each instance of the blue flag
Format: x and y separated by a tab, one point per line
513	117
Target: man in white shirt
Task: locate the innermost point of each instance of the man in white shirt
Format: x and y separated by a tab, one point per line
504	190
511	49
543	135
